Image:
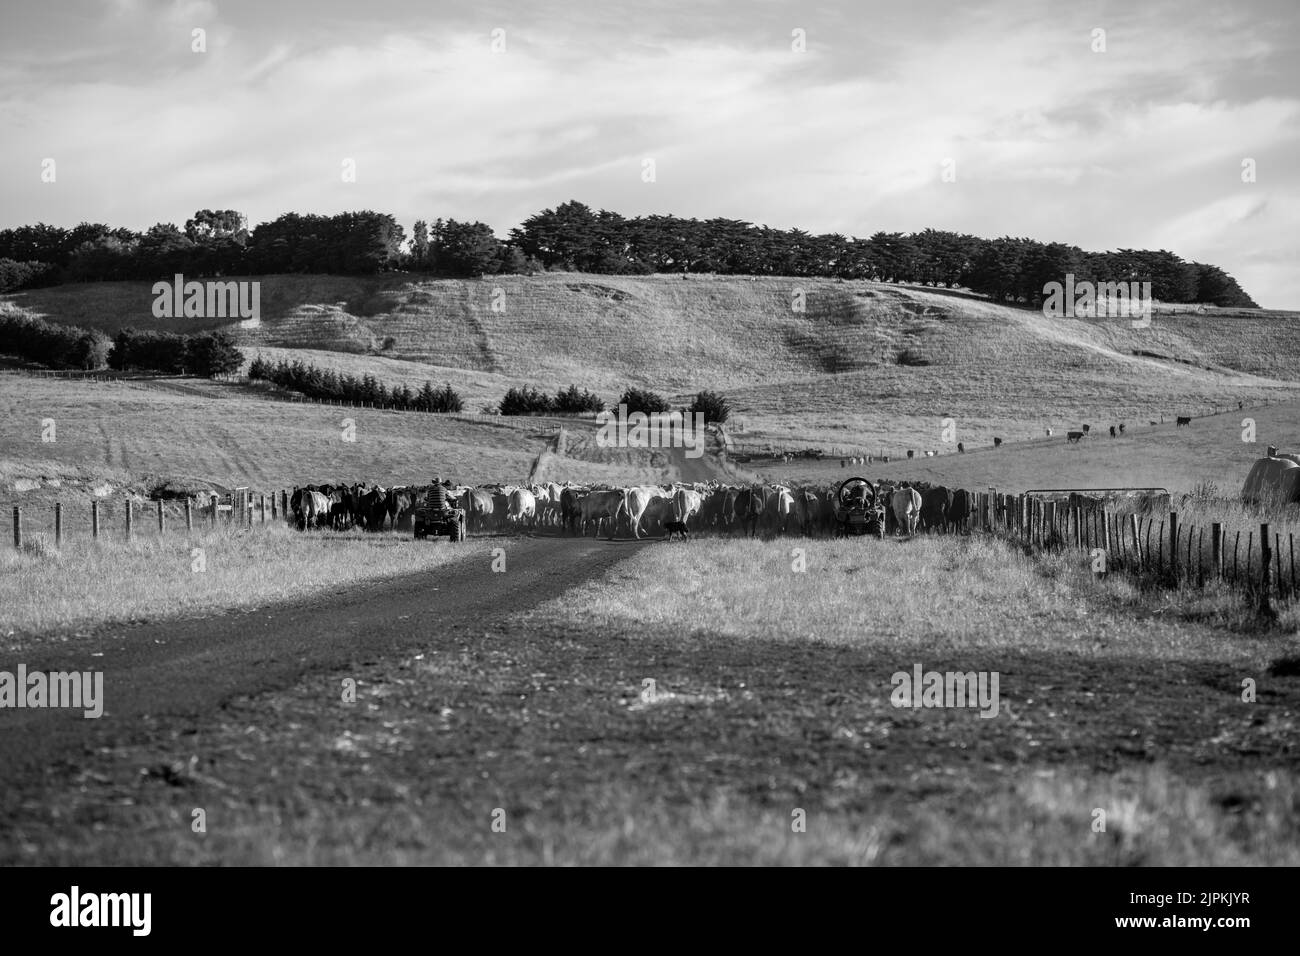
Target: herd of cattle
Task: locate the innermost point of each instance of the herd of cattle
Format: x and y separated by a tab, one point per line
766	509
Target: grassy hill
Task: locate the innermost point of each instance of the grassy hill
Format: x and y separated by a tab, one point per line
864	366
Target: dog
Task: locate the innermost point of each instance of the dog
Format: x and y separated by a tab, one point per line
676	527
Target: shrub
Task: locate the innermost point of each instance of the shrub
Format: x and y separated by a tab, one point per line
526	401
713	405
643	400
571	401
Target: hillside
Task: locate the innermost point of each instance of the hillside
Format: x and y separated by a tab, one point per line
846	372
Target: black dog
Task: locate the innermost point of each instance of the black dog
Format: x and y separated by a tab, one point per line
676	527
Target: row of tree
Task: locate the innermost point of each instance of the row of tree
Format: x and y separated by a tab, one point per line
329	385
573	237
67	346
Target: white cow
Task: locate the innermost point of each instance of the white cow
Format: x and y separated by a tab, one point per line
906	503
522	507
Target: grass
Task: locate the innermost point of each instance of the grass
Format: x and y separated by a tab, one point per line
772	696
830	374
46	591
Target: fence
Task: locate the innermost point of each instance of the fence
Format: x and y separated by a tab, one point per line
241	508
1159	548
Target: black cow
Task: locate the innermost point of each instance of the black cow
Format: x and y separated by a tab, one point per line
935	505
910	453
997	443
1121	428
961	449
1184	420
960	509
1112	431
1086	429
1072	437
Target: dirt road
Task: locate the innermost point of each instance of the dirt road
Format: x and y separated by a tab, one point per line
181	670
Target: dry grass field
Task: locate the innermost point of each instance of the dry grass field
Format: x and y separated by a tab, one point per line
831	374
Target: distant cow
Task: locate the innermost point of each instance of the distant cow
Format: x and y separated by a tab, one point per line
910	453
961	449
1086	429
1121	428
1072	437
1184	420
1112	431
1153	423
997	443
1049	433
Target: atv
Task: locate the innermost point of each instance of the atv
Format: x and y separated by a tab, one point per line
450	522
858	509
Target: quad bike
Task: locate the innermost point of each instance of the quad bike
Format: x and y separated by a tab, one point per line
431	522
858	509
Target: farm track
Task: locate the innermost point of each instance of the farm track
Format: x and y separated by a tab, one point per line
184	671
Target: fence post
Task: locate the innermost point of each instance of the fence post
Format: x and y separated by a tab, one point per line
1216	550
189	518
214	511
94	519
1277	559
262	508
18	527
160	516
1265	554
58	523
1291	537
129	511
1173	545
1236	542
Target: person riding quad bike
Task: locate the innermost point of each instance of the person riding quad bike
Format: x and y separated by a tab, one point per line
435	499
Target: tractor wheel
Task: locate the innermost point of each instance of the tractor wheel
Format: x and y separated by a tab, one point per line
453	533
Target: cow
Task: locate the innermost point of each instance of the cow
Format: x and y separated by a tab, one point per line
401	502
750	503
935	505
961	449
479	506
1153	424
1049	433
906	505
1121	428
312	508
805	510
1112	431
635	502
686	504
1073	437
603	505
1183	420
373	508
521	507
660	509
960	510
782	509
997	443
1086	429
910	453
570	508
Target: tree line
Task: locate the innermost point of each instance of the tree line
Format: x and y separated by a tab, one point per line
574	237
67	346
329	385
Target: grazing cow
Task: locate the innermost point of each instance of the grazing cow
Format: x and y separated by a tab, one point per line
1086	429
598	506
960	510
910	453
1112	431
961	449
570	508
906	504
997	443
935	505
750	503
1121	428
479	506
521	507
1073	437
1183	420
1153	423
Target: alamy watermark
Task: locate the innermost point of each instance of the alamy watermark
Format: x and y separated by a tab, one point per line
946	689
209	300
55	689
656	430
1092	300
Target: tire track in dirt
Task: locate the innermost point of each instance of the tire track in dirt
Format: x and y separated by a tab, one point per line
181	671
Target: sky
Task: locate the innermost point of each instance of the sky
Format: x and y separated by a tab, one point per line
830	117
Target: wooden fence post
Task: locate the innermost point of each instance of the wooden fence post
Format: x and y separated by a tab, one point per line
58	523
1265	554
1173	545
1216	550
94	519
1291	537
18	527
129	512
160	516
214	511
1236	542
189	517
1277	559
262	508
